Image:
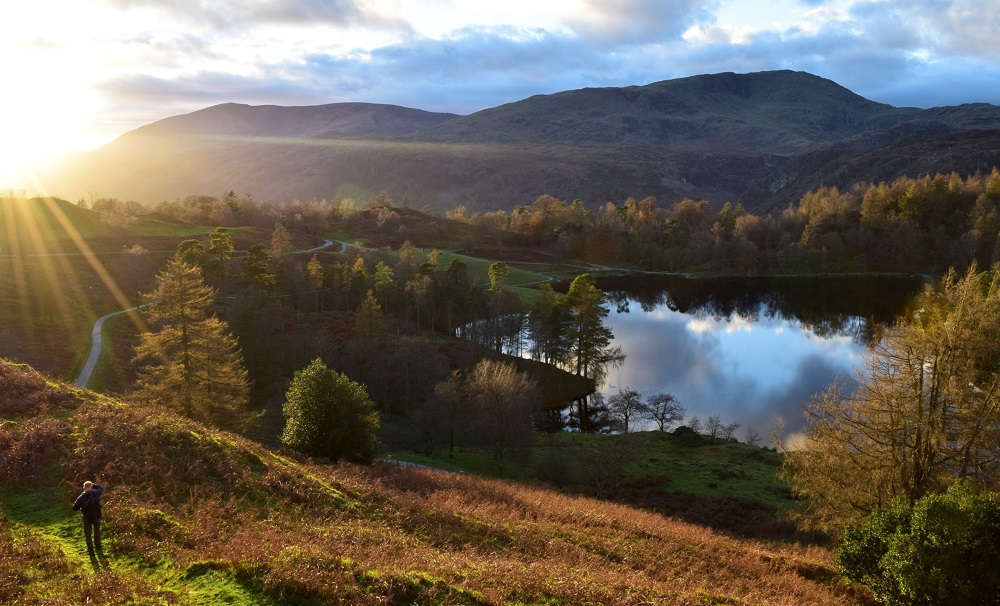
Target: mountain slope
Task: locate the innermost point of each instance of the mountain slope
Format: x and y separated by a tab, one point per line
197	516
335	121
774	112
760	139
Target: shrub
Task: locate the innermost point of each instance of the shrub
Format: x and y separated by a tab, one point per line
329	415
942	549
27	448
25	391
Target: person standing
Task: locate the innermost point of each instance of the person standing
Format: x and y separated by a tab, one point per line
89	503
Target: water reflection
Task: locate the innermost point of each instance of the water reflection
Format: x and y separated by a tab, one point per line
746	350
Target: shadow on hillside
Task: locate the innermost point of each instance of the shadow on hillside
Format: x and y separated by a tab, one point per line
743	518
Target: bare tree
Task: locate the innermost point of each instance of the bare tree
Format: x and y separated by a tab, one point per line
694	423
505	399
625	406
751	436
726	432
714	426
664	409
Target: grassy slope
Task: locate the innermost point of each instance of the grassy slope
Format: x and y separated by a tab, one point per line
60	270
708	468
197	516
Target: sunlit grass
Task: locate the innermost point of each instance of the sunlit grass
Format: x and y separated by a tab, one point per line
55	284
206	517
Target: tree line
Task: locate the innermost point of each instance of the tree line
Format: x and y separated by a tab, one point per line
911	225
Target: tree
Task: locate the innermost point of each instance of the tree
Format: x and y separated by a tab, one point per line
664	409
504	399
714	426
315	271
220	246
726	432
547	322
191	252
589	351
625	406
926	410
191	363
329	415
499	272
590	348
136	261
942	549
256	264
384	283
281	241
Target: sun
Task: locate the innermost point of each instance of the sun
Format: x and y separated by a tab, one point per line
47	95
35	127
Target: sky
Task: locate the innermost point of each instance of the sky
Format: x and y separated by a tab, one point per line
78	73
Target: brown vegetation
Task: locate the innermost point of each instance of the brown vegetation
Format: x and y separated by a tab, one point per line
197	501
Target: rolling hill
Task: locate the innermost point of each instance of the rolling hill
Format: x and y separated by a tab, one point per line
762	139
193	515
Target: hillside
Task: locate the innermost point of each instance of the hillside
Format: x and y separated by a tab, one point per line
197	516
771	112
760	139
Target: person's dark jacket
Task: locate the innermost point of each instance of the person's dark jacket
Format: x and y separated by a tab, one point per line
90	503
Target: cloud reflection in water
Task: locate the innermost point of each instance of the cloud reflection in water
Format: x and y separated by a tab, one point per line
746	370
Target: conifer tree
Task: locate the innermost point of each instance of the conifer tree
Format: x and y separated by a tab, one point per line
190	362
926	411
590	351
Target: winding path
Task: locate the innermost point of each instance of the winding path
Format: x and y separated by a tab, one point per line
96	345
95	348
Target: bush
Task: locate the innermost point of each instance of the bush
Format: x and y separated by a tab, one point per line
942	549
329	415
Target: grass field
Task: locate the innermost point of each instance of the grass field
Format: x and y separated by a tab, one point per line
704	467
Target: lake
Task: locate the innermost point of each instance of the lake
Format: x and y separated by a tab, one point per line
747	350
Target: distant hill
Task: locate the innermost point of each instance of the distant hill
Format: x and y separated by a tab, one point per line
29	226
762	139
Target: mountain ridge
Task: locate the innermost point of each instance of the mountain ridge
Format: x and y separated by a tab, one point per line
762	139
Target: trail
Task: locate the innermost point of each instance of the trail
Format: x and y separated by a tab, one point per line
83	380
96	340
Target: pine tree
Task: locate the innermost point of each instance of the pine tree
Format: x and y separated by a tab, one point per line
191	363
590	351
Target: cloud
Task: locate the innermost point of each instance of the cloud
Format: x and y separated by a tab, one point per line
245	14
630	22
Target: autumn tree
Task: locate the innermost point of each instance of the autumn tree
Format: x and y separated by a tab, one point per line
925	411
190	362
504	399
281	241
314	269
329	415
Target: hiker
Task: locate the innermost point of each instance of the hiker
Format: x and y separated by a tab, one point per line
89	502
